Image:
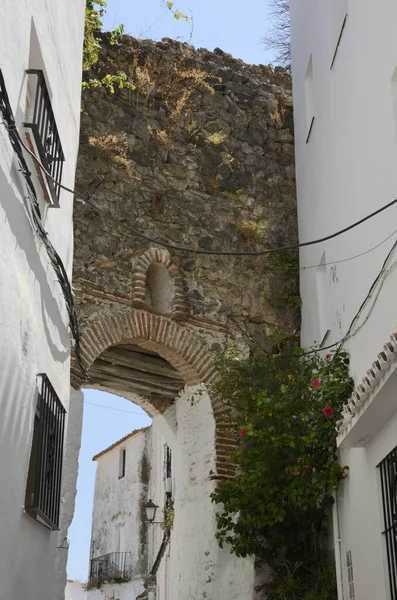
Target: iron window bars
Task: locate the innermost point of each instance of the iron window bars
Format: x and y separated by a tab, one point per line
388	474
46	135
43	490
111	567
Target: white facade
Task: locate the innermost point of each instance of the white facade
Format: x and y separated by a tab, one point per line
191	565
344	60
34	336
75	590
119	527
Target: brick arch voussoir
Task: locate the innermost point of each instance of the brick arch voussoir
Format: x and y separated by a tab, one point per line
189	355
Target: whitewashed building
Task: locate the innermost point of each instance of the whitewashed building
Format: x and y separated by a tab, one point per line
177	556
75	590
118	561
40	88
344	62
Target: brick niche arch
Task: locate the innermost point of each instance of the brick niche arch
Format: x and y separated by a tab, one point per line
173	342
140	266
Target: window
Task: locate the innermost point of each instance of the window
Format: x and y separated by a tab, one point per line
388	477
122	457
44	141
350	580
167	462
394	99
309	98
168	470
43	489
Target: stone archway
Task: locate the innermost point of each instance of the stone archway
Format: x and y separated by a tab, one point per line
189	356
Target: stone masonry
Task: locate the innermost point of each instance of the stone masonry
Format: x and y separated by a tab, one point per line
200	155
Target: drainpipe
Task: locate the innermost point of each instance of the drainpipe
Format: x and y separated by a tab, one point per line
338	549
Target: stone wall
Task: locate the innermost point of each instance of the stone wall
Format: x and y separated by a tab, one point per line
201	155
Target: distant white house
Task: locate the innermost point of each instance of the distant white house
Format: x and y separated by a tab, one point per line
134	558
119	557
40	89
344	64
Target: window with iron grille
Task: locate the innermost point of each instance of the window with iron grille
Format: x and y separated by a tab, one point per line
388	477
350	578
43	489
167	462
41	122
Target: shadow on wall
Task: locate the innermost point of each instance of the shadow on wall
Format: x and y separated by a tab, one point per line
25	241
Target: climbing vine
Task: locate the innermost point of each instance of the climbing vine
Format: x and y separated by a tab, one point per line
286	408
94	13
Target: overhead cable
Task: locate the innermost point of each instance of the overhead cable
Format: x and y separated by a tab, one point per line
199	250
35	216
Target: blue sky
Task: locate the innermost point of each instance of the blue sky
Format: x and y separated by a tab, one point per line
236	27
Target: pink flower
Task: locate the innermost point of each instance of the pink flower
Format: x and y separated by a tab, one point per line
328	357
316	383
243	432
328	411
345	474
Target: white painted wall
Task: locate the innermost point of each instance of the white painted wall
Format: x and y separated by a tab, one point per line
193	565
75	590
120	502
345	171
34	336
196	567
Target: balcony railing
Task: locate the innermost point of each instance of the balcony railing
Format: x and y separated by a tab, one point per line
110	567
43	126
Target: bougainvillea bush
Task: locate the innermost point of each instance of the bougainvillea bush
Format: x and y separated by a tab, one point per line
285	411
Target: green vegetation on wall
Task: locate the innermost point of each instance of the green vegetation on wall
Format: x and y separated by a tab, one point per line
286	409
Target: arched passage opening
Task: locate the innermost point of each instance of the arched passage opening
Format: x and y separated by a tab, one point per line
160	364
160	338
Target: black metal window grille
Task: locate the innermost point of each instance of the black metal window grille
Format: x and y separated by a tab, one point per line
168	462
111	567
43	490
388	475
46	135
350	576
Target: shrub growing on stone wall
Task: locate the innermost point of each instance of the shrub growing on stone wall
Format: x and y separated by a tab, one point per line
286	409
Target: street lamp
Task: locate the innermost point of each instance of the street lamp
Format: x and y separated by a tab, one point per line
150	509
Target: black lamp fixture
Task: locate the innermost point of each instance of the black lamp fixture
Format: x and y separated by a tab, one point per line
150	509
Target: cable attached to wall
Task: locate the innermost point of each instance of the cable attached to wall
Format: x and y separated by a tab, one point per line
35	217
196	250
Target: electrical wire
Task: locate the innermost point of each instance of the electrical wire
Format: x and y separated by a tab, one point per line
131	412
196	250
379	279
17	141
35	217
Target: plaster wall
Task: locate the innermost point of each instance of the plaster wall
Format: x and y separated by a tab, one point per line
361	515
194	566
345	161
74	590
118	502
346	169
33	324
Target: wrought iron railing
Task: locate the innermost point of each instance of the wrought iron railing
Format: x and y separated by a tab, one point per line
388	475
43	493
111	567
46	137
